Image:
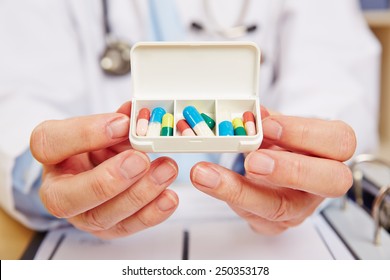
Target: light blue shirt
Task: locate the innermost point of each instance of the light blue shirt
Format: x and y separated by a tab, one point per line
26	197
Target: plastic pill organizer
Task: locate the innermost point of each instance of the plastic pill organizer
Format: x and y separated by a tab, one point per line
218	81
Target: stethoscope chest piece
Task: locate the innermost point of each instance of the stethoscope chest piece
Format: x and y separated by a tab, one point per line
115	59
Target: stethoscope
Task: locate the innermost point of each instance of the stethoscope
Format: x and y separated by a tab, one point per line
115	60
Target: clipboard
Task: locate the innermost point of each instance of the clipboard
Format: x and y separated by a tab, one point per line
202	228
358	222
343	230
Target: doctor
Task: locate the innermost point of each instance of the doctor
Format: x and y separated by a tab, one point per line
319	70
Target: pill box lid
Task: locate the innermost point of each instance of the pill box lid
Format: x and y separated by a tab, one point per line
195	70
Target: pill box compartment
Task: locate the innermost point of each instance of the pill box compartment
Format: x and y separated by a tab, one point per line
203	106
218	79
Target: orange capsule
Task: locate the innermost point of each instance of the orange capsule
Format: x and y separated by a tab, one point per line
249	123
184	128
143	121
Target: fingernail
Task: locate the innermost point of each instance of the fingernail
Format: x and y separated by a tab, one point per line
259	163
163	172
272	129
166	202
206	176
134	165
118	128
264	112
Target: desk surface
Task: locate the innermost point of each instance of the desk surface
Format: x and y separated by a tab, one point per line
14	237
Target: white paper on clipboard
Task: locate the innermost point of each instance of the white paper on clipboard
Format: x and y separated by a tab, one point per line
202	228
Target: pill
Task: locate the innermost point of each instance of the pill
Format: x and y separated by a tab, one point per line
143	121
184	128
238	126
225	128
167	125
249	123
155	122
196	121
209	121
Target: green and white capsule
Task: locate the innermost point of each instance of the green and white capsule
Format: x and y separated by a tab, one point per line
209	121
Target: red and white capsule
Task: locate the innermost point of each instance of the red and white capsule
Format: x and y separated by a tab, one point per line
184	128
143	121
249	123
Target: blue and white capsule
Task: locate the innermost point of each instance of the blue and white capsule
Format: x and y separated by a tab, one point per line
196	122
155	122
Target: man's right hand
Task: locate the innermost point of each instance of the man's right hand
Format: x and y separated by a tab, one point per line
94	179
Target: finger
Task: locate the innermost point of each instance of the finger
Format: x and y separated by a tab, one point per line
125	108
264	112
269	145
161	174
153	214
102	155
329	139
268	227
125	145
121	147
275	204
99	156
54	141
264	226
68	195
319	176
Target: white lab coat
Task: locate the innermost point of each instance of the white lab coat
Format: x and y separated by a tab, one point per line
320	61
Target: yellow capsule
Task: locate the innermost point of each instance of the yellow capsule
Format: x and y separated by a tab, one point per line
238	126
167	125
237	122
167	120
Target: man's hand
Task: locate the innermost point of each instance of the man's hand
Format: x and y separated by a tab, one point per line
93	178
298	165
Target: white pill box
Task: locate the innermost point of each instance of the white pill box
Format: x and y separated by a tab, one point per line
219	79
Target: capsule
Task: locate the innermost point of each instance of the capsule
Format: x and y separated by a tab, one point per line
209	121
225	128
196	121
238	126
184	128
249	123
143	121
167	125
155	122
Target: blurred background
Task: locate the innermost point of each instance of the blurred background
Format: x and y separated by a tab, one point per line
377	13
